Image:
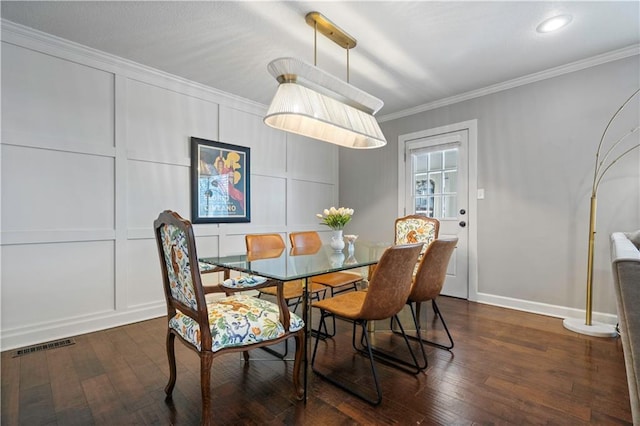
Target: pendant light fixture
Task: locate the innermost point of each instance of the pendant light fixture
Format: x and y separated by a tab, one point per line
316	104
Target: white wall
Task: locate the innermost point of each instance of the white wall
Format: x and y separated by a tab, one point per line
536	153
93	149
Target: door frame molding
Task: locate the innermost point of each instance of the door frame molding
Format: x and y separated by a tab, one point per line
471	126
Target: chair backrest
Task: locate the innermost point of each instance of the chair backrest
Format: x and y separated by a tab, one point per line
259	242
305	239
390	284
264	246
414	229
180	271
306	242
432	271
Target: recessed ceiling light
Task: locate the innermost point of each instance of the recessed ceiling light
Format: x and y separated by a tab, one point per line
554	23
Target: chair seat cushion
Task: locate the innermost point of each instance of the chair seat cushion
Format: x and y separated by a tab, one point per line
337	279
345	305
292	289
236	320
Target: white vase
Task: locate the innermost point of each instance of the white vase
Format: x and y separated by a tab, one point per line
336	259
337	241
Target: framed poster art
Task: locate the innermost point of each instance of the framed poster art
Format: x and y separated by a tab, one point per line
220	177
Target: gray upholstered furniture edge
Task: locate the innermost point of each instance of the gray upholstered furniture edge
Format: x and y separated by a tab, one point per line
625	262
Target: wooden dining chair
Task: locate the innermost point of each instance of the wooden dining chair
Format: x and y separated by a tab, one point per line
235	323
414	229
266	246
386	295
336	282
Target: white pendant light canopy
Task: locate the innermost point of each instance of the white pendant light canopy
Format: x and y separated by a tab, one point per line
316	104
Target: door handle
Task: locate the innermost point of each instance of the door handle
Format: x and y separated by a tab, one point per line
462	224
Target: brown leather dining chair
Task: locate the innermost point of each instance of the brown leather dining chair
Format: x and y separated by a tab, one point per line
427	285
265	246
386	295
428	282
215	327
336	282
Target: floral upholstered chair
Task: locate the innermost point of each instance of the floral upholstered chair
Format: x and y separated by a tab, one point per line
234	323
414	229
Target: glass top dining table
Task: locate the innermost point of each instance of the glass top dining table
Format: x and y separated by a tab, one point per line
294	264
302	264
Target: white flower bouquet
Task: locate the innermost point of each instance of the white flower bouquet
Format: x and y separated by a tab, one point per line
336	218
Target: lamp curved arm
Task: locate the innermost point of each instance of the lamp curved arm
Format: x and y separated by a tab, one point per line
610	150
606	129
595	188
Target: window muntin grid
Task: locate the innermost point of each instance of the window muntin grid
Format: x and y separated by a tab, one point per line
435	176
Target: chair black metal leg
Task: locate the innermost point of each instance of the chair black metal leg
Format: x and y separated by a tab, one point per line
319	333
326	334
438	314
315	348
373	401
413	367
416	320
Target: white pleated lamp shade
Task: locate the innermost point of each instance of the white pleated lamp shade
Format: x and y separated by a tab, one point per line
299	109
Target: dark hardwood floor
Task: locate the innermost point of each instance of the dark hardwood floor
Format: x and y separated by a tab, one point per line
507	367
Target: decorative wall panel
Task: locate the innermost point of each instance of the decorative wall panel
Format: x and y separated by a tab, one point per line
160	122
45	284
44	190
49	102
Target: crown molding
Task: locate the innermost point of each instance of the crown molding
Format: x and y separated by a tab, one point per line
36	40
520	81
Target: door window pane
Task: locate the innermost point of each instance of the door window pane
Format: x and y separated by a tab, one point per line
437	207
435	177
435	160
451	159
436	180
450	184
449	207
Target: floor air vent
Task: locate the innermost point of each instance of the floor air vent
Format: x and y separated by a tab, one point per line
43	347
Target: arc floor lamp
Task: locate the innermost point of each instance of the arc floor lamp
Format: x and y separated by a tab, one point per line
602	166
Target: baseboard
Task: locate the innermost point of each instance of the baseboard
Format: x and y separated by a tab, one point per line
543	308
39	333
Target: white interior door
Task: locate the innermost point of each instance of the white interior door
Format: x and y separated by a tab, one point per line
436	185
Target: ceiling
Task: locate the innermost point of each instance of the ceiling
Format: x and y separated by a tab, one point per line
408	54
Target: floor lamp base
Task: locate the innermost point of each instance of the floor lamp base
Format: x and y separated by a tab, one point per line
596	329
